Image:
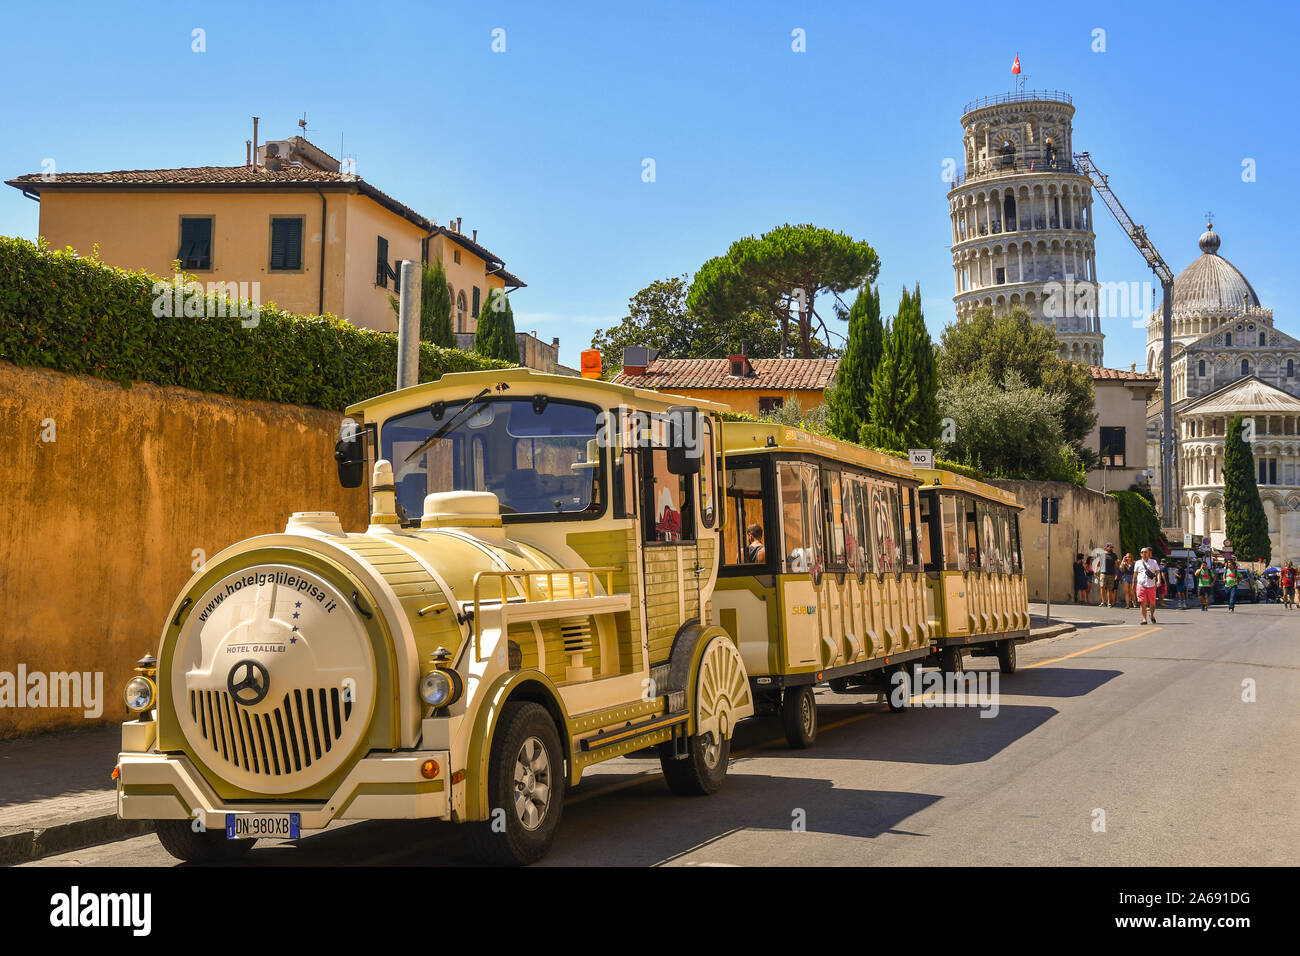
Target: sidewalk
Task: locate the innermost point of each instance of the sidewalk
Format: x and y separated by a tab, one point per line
56	794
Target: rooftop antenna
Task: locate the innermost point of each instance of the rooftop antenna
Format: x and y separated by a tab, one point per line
302	123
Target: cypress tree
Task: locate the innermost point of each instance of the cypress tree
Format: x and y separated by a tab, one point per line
904	388
850	399
495	337
435	306
1245	523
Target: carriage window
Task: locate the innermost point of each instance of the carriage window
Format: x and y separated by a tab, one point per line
745	537
954	533
794	509
707	476
929	518
816	554
1017	560
972	535
908	529
835	544
862	513
884	530
990	558
669	506
852	536
624	469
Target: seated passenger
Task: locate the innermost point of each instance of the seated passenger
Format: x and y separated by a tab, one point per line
755	552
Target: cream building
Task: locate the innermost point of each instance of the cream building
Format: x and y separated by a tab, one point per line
1119	437
1228	359
1021	219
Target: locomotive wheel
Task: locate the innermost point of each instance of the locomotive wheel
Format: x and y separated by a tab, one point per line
898	691
799	716
952	660
701	771
209	846
525	788
1007	656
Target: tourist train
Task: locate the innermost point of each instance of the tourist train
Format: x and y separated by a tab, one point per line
557	571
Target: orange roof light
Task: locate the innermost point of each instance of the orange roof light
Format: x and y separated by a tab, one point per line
591	363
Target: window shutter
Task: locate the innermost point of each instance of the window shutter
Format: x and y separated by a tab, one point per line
286	244
476	302
381	268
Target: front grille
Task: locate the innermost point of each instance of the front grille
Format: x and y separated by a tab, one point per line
303	727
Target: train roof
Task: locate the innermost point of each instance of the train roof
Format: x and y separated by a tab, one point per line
760	437
940	478
587	389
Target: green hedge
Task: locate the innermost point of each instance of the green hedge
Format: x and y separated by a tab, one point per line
61	311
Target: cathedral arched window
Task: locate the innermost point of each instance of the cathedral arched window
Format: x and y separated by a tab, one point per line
1227	338
1200	368
1245	366
1290	368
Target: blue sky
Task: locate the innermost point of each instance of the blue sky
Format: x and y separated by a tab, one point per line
540	148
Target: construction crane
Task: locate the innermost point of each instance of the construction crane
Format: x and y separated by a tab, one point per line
1138	235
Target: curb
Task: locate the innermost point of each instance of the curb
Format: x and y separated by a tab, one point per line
1055	630
23	846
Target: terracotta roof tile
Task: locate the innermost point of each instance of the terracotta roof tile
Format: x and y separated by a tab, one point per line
1098	372
794	374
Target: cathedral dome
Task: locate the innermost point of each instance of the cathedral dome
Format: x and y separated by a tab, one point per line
1212	283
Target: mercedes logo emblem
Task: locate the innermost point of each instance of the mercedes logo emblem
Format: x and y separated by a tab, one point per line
248	682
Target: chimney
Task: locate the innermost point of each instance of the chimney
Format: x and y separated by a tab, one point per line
556	341
636	360
255	142
1132	366
458	218
476	235
248	152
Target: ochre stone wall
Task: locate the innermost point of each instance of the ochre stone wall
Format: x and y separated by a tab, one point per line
99	527
1088	519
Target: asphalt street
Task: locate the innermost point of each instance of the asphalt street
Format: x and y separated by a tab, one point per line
1117	745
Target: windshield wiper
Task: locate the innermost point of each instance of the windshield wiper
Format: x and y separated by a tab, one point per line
438	435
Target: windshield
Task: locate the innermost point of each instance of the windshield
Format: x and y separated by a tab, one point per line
538	456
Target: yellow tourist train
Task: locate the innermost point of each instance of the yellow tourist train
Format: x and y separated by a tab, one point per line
556	571
846	566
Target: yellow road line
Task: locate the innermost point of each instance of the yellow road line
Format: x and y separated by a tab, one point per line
1096	647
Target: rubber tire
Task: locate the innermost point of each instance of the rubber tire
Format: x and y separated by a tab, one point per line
1007	657
210	846
800	724
518	846
691	776
906	688
952	660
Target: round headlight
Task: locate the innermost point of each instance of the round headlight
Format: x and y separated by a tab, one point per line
140	693
435	688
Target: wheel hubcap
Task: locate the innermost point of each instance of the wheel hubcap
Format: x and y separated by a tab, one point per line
532	783
806	713
712	751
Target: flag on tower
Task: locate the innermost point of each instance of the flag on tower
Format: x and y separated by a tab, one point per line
1015	67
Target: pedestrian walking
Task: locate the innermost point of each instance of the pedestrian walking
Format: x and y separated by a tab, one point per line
1189	581
1080	579
1092	574
1288	585
1148	585
1109	569
1230	578
1126	581
1204	584
1174	573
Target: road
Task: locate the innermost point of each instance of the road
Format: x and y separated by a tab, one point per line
1116	745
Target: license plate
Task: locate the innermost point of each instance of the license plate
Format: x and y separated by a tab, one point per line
251	826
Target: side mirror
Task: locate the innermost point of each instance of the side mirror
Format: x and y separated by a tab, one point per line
685	440
350	454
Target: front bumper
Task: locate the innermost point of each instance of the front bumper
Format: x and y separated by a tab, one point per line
387	786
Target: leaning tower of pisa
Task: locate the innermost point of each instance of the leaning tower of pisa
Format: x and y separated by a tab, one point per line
1022	218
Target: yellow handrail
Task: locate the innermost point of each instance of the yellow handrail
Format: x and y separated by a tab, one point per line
533	592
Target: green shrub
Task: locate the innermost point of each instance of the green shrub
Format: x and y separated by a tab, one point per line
1138	525
62	311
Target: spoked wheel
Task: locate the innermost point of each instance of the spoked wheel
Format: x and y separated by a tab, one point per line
799	716
206	846
952	660
525	788
898	688
722	696
1007	656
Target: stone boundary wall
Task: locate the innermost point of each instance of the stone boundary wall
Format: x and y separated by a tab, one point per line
112	498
